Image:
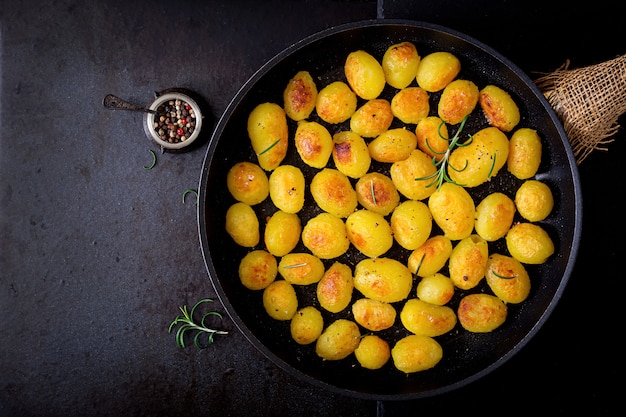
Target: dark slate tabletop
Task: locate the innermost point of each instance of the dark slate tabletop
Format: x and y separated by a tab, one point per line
97	253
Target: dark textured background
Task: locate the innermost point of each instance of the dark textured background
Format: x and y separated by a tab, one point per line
97	254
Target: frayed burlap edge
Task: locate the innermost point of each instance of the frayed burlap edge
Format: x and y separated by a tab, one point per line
588	101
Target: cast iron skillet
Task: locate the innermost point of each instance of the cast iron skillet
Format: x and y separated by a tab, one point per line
467	356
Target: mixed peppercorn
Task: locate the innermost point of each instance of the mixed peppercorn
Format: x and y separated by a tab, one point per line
175	121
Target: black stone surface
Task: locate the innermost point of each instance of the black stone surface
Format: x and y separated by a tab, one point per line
97	253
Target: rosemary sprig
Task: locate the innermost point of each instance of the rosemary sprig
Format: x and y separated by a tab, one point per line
149	167
373	193
295	265
188	324
441	174
504	276
190	191
269	147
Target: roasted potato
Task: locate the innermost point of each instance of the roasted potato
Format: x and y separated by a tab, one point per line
325	236
377	192
301	268
334	290
430	257
507	278
372	118
287	188
282	233
257	269
411	224
416	353
269	134
338	340
435	289
314	143
383	279
468	262
499	108
373	352
333	192
242	225
299	96
432	136
248	183
336	102
350	154
400	63
481	313
529	243
525	151
423	318
494	216
410	105
407	175
306	325
453	210
436	70
534	200
479	160
364	74
280	300
457	101
392	145
374	315
369	232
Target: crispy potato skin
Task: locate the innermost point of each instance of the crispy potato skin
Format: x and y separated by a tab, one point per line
350	154
280	300
499	108
529	243
410	105
372	118
507	278
333	192
325	236
393	145
336	102
468	262
534	200
383	279
269	134
334	290
364	74
314	143
338	340
430	257
247	183
525	152
432	136
373	352
405	174
400	63
377	192
242	225
457	101
299	96
258	269
494	216
301	268
481	313
306	325
416	353
287	187
411	224
437	70
453	210
426	319
282	233
369	232
374	315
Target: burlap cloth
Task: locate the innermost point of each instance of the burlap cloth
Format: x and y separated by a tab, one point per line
588	101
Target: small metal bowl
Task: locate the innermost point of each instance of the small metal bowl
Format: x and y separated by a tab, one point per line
150	118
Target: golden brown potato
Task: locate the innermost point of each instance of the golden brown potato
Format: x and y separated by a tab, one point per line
374	315
416	353
405	175
258	269
392	145
373	352
242	225
507	278
457	101
287	188
430	257
269	135
529	243
334	290
410	105
499	108
426	319
468	262
494	216
338	340
481	313
301	268
280	300
436	70
336	102
400	63
282	233
383	279
369	232
365	74
299	96
333	192
432	136
453	210
314	143
411	224
325	236
481	159
372	118
350	154
534	200
377	192
525	150
435	289
306	325
247	183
